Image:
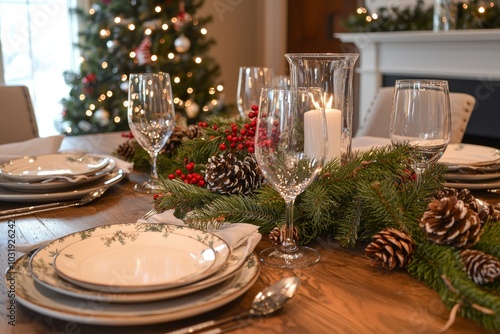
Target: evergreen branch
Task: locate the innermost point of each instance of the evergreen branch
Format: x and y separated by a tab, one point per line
199	150
182	197
234	209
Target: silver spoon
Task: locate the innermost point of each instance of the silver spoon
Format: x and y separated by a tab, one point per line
268	301
51	206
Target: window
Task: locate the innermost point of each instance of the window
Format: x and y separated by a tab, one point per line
36	39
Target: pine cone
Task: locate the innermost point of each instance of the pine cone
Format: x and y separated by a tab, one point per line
446	192
391	247
482	268
449	221
226	174
485	211
126	151
178	136
278	235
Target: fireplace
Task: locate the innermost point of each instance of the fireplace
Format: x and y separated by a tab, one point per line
468	59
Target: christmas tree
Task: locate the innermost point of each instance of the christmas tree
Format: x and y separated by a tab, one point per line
134	36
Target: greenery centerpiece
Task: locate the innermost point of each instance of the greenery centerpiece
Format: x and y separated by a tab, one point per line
444	237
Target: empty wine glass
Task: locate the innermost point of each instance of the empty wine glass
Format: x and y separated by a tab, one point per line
290	149
151	117
421	117
251	80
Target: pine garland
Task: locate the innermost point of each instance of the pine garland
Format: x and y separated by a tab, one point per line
349	203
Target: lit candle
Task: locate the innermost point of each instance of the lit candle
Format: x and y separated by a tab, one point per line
313	136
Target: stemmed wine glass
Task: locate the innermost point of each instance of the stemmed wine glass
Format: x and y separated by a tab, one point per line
251	80
421	117
290	149
151	117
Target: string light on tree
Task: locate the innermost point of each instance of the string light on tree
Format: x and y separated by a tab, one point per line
136	36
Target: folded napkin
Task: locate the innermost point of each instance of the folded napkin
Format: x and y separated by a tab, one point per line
234	235
35	146
366	143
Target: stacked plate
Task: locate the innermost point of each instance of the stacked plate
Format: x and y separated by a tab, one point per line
54	177
131	274
472	166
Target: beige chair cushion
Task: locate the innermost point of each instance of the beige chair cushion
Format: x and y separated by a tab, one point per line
17	116
377	119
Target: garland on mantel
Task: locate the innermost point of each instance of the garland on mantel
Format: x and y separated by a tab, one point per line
445	238
471	15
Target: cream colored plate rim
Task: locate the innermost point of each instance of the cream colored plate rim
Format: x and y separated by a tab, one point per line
44	272
50	303
57	184
465	154
39	167
136	261
110	179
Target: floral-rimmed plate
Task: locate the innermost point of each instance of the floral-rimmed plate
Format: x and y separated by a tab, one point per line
486	184
109	179
474	177
136	261
42	260
50	303
56	183
469	154
36	168
44	274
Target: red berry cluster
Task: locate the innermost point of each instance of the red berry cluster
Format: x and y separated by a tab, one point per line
266	140
242	139
189	177
128	135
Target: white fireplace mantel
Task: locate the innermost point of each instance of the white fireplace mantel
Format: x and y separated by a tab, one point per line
462	54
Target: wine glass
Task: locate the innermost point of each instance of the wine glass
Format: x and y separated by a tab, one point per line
290	149
151	117
251	80
421	117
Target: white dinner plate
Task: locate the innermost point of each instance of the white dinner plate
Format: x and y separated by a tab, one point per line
136	261
35	168
55	184
467	154
108	180
50	303
42	260
45	275
474	177
487	184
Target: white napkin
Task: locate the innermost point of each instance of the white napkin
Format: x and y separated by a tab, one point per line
35	146
234	234
366	143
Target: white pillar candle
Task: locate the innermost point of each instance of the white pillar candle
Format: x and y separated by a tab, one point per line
313	136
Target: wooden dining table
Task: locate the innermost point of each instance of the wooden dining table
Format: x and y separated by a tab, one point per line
342	293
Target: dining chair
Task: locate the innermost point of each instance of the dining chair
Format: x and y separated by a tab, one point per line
17	114
377	119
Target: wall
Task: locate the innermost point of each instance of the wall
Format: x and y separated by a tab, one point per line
239	28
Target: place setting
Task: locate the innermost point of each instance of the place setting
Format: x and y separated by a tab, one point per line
163	268
55	177
470	166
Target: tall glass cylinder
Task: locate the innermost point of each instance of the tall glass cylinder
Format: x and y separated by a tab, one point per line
333	74
441	15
